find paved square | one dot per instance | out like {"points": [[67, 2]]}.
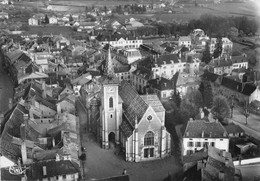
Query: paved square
{"points": [[103, 163]]}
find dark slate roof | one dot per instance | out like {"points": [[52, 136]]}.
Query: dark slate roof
{"points": [[167, 59], [209, 76], [53, 168], [195, 128], [161, 84], [233, 128], [121, 69], [143, 72], [133, 105], [246, 89]]}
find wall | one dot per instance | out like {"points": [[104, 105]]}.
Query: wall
{"points": [[247, 161], [223, 145]]}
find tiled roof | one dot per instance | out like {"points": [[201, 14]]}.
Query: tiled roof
{"points": [[154, 102], [133, 105], [197, 156], [233, 128], [161, 84], [143, 72], [126, 128], [53, 168], [195, 128], [109, 36]]}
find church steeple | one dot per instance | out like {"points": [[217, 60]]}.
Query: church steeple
{"points": [[109, 70]]}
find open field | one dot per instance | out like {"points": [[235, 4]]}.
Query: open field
{"points": [[85, 3]]}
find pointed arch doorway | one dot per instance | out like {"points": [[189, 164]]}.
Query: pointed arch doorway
{"points": [[112, 140]]}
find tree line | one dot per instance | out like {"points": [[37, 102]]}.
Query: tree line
{"points": [[212, 25]]}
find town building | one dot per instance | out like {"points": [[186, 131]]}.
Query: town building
{"points": [[201, 133], [210, 164], [185, 41], [227, 45], [33, 21], [119, 40]]}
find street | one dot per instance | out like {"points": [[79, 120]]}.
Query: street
{"points": [[253, 123], [249, 172], [6, 88]]}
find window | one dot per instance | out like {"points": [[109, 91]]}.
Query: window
{"points": [[221, 139], [110, 102], [64, 176], [190, 144], [213, 144], [111, 116], [149, 138], [189, 152], [198, 144]]}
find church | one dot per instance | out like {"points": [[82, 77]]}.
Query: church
{"points": [[134, 122]]}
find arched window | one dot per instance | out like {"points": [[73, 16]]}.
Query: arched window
{"points": [[110, 102], [149, 138]]}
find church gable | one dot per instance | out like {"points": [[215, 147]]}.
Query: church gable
{"points": [[149, 122]]}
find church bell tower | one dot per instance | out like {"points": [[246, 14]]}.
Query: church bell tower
{"points": [[109, 105]]}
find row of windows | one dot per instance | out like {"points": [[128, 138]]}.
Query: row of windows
{"points": [[199, 144]]}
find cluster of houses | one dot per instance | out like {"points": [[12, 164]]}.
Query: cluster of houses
{"points": [[121, 82]]}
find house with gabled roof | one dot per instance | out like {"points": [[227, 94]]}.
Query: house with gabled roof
{"points": [[210, 164], [201, 133], [162, 87]]}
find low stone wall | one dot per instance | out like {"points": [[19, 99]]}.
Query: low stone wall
{"points": [[247, 161]]}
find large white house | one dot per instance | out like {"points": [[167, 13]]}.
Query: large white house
{"points": [[200, 133], [184, 41], [227, 45], [120, 41]]}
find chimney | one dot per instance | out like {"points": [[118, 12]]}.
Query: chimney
{"points": [[10, 105], [187, 134], [210, 134], [23, 144], [158, 80], [44, 170], [57, 157], [202, 134], [221, 175]]}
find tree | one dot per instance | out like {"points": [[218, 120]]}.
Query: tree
{"points": [[70, 18], [220, 108], [207, 93], [218, 49], [46, 19], [176, 98], [206, 56]]}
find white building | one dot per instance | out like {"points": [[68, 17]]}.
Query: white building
{"points": [[53, 20], [227, 45], [184, 41], [33, 21], [199, 133], [120, 42], [167, 65]]}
